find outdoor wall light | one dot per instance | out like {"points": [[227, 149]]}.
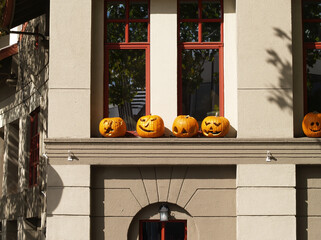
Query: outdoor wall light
{"points": [[163, 213], [69, 156], [268, 156], [45, 156]]}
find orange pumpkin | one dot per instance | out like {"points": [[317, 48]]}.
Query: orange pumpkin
{"points": [[112, 127], [185, 126], [215, 126], [150, 126], [311, 124]]}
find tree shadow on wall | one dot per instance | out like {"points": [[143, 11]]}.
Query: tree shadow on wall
{"points": [[282, 96]]}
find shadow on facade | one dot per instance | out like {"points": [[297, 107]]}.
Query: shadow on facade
{"points": [[282, 94]]}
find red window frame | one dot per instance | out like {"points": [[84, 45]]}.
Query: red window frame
{"points": [[34, 148], [126, 45], [200, 44], [162, 227], [307, 46]]}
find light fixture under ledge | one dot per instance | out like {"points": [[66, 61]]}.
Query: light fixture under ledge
{"points": [[163, 213], [70, 158]]}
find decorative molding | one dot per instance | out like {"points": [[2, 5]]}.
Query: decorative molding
{"points": [[179, 151]]}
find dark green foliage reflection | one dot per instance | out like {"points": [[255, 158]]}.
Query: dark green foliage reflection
{"points": [[211, 10], [314, 80], [115, 32], [311, 10], [188, 9], [211, 32], [138, 10], [127, 85], [116, 10], [200, 82]]}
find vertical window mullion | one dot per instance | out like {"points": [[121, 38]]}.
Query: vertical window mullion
{"points": [[127, 22], [200, 21]]}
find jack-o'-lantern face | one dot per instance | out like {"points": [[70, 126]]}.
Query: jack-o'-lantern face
{"points": [[150, 126], [112, 127], [215, 126], [185, 126], [311, 124]]}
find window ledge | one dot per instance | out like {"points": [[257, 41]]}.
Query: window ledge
{"points": [[183, 151]]}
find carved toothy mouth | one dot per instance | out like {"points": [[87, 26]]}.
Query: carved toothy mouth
{"points": [[214, 133], [145, 130]]}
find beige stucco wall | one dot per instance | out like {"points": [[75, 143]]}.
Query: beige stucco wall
{"points": [[70, 68], [266, 202], [264, 69], [68, 201], [204, 196]]}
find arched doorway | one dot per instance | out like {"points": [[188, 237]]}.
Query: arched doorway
{"points": [[146, 224]]}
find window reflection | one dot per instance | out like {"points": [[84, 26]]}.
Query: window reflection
{"points": [[189, 32], [116, 10], [314, 80], [127, 85], [200, 82], [115, 32]]}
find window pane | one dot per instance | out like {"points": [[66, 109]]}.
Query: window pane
{"points": [[127, 85], [138, 9], [151, 231], [138, 32], [211, 9], [189, 32], [116, 10], [115, 32], [314, 80], [188, 9], [312, 32], [174, 231], [211, 32], [311, 10], [200, 80]]}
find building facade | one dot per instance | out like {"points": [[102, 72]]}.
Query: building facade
{"points": [[256, 63]]}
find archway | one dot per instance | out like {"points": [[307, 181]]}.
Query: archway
{"points": [[151, 212]]}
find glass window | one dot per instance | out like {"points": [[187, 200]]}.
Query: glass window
{"points": [[311, 12], [156, 230], [200, 77], [126, 60], [200, 49], [126, 83]]}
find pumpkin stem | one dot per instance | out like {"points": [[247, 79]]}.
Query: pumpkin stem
{"points": [[216, 114], [315, 112], [187, 116]]}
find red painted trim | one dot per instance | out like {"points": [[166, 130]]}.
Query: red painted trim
{"points": [[34, 148], [8, 51]]}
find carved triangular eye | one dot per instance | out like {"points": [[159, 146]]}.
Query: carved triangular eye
{"points": [[175, 130], [207, 123], [184, 130], [217, 124]]}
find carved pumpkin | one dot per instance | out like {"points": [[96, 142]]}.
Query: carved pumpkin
{"points": [[112, 127], [185, 126], [150, 126], [311, 124], [215, 126]]}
